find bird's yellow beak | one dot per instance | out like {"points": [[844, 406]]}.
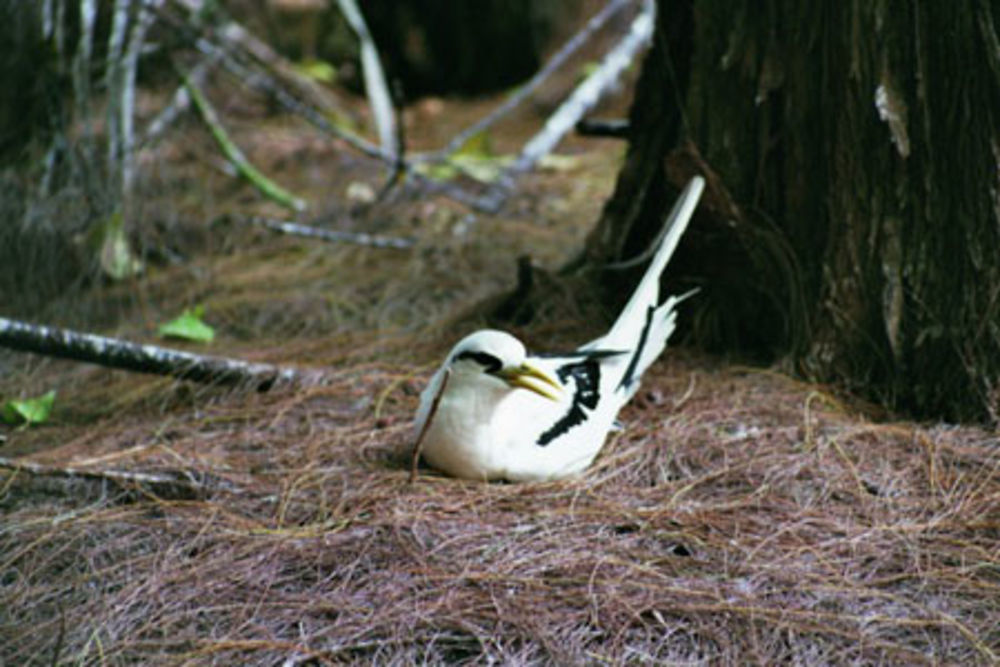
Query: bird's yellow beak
{"points": [[528, 377]]}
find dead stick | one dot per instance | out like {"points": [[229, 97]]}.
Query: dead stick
{"points": [[265, 83], [179, 102], [333, 235], [116, 353], [427, 423], [173, 484], [379, 97], [235, 156], [399, 168]]}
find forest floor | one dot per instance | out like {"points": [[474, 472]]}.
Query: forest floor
{"points": [[740, 516]]}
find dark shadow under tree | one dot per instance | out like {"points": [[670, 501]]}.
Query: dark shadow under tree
{"points": [[852, 221]]}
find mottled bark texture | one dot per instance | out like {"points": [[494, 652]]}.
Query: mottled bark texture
{"points": [[852, 221]]}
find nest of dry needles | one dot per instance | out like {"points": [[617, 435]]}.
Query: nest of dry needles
{"points": [[738, 517]]}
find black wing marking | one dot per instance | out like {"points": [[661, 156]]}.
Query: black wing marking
{"points": [[581, 354], [634, 361], [587, 376]]}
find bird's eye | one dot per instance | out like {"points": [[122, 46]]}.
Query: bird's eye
{"points": [[490, 363]]}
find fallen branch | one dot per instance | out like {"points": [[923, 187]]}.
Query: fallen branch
{"points": [[375, 84], [236, 37], [129, 74], [235, 156], [359, 238], [265, 84], [522, 93], [180, 485], [179, 103], [583, 98], [125, 355], [399, 168]]}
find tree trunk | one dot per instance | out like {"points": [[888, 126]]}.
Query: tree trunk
{"points": [[852, 221]]}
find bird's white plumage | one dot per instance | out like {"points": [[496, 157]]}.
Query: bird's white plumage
{"points": [[498, 417]]}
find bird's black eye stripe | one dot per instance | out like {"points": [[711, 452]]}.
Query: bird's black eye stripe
{"points": [[489, 363]]}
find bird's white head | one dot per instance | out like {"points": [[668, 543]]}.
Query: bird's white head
{"points": [[496, 356]]}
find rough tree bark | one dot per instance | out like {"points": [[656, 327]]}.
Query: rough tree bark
{"points": [[852, 222]]}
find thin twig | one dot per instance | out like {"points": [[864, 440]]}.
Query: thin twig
{"points": [[235, 156], [239, 39], [375, 83], [116, 353], [178, 104], [114, 76], [419, 443], [359, 238], [265, 84], [175, 484], [82, 64], [130, 68], [399, 168]]}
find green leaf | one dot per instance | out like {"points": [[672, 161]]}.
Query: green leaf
{"points": [[28, 411], [483, 169], [479, 145], [188, 326], [439, 172], [318, 70]]}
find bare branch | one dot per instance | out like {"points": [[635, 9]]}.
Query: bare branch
{"points": [[179, 102], [266, 84], [233, 153], [237, 38], [116, 353], [114, 77], [375, 84], [126, 110], [359, 238], [179, 484], [399, 168], [82, 64]]}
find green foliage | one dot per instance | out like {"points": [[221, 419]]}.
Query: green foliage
{"points": [[477, 159], [188, 326], [29, 410], [317, 70]]}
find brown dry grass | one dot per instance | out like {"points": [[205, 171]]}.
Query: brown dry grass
{"points": [[740, 517]]}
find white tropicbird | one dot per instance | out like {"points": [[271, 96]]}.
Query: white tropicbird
{"points": [[497, 412]]}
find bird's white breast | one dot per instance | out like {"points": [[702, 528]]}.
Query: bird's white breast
{"points": [[484, 431]]}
